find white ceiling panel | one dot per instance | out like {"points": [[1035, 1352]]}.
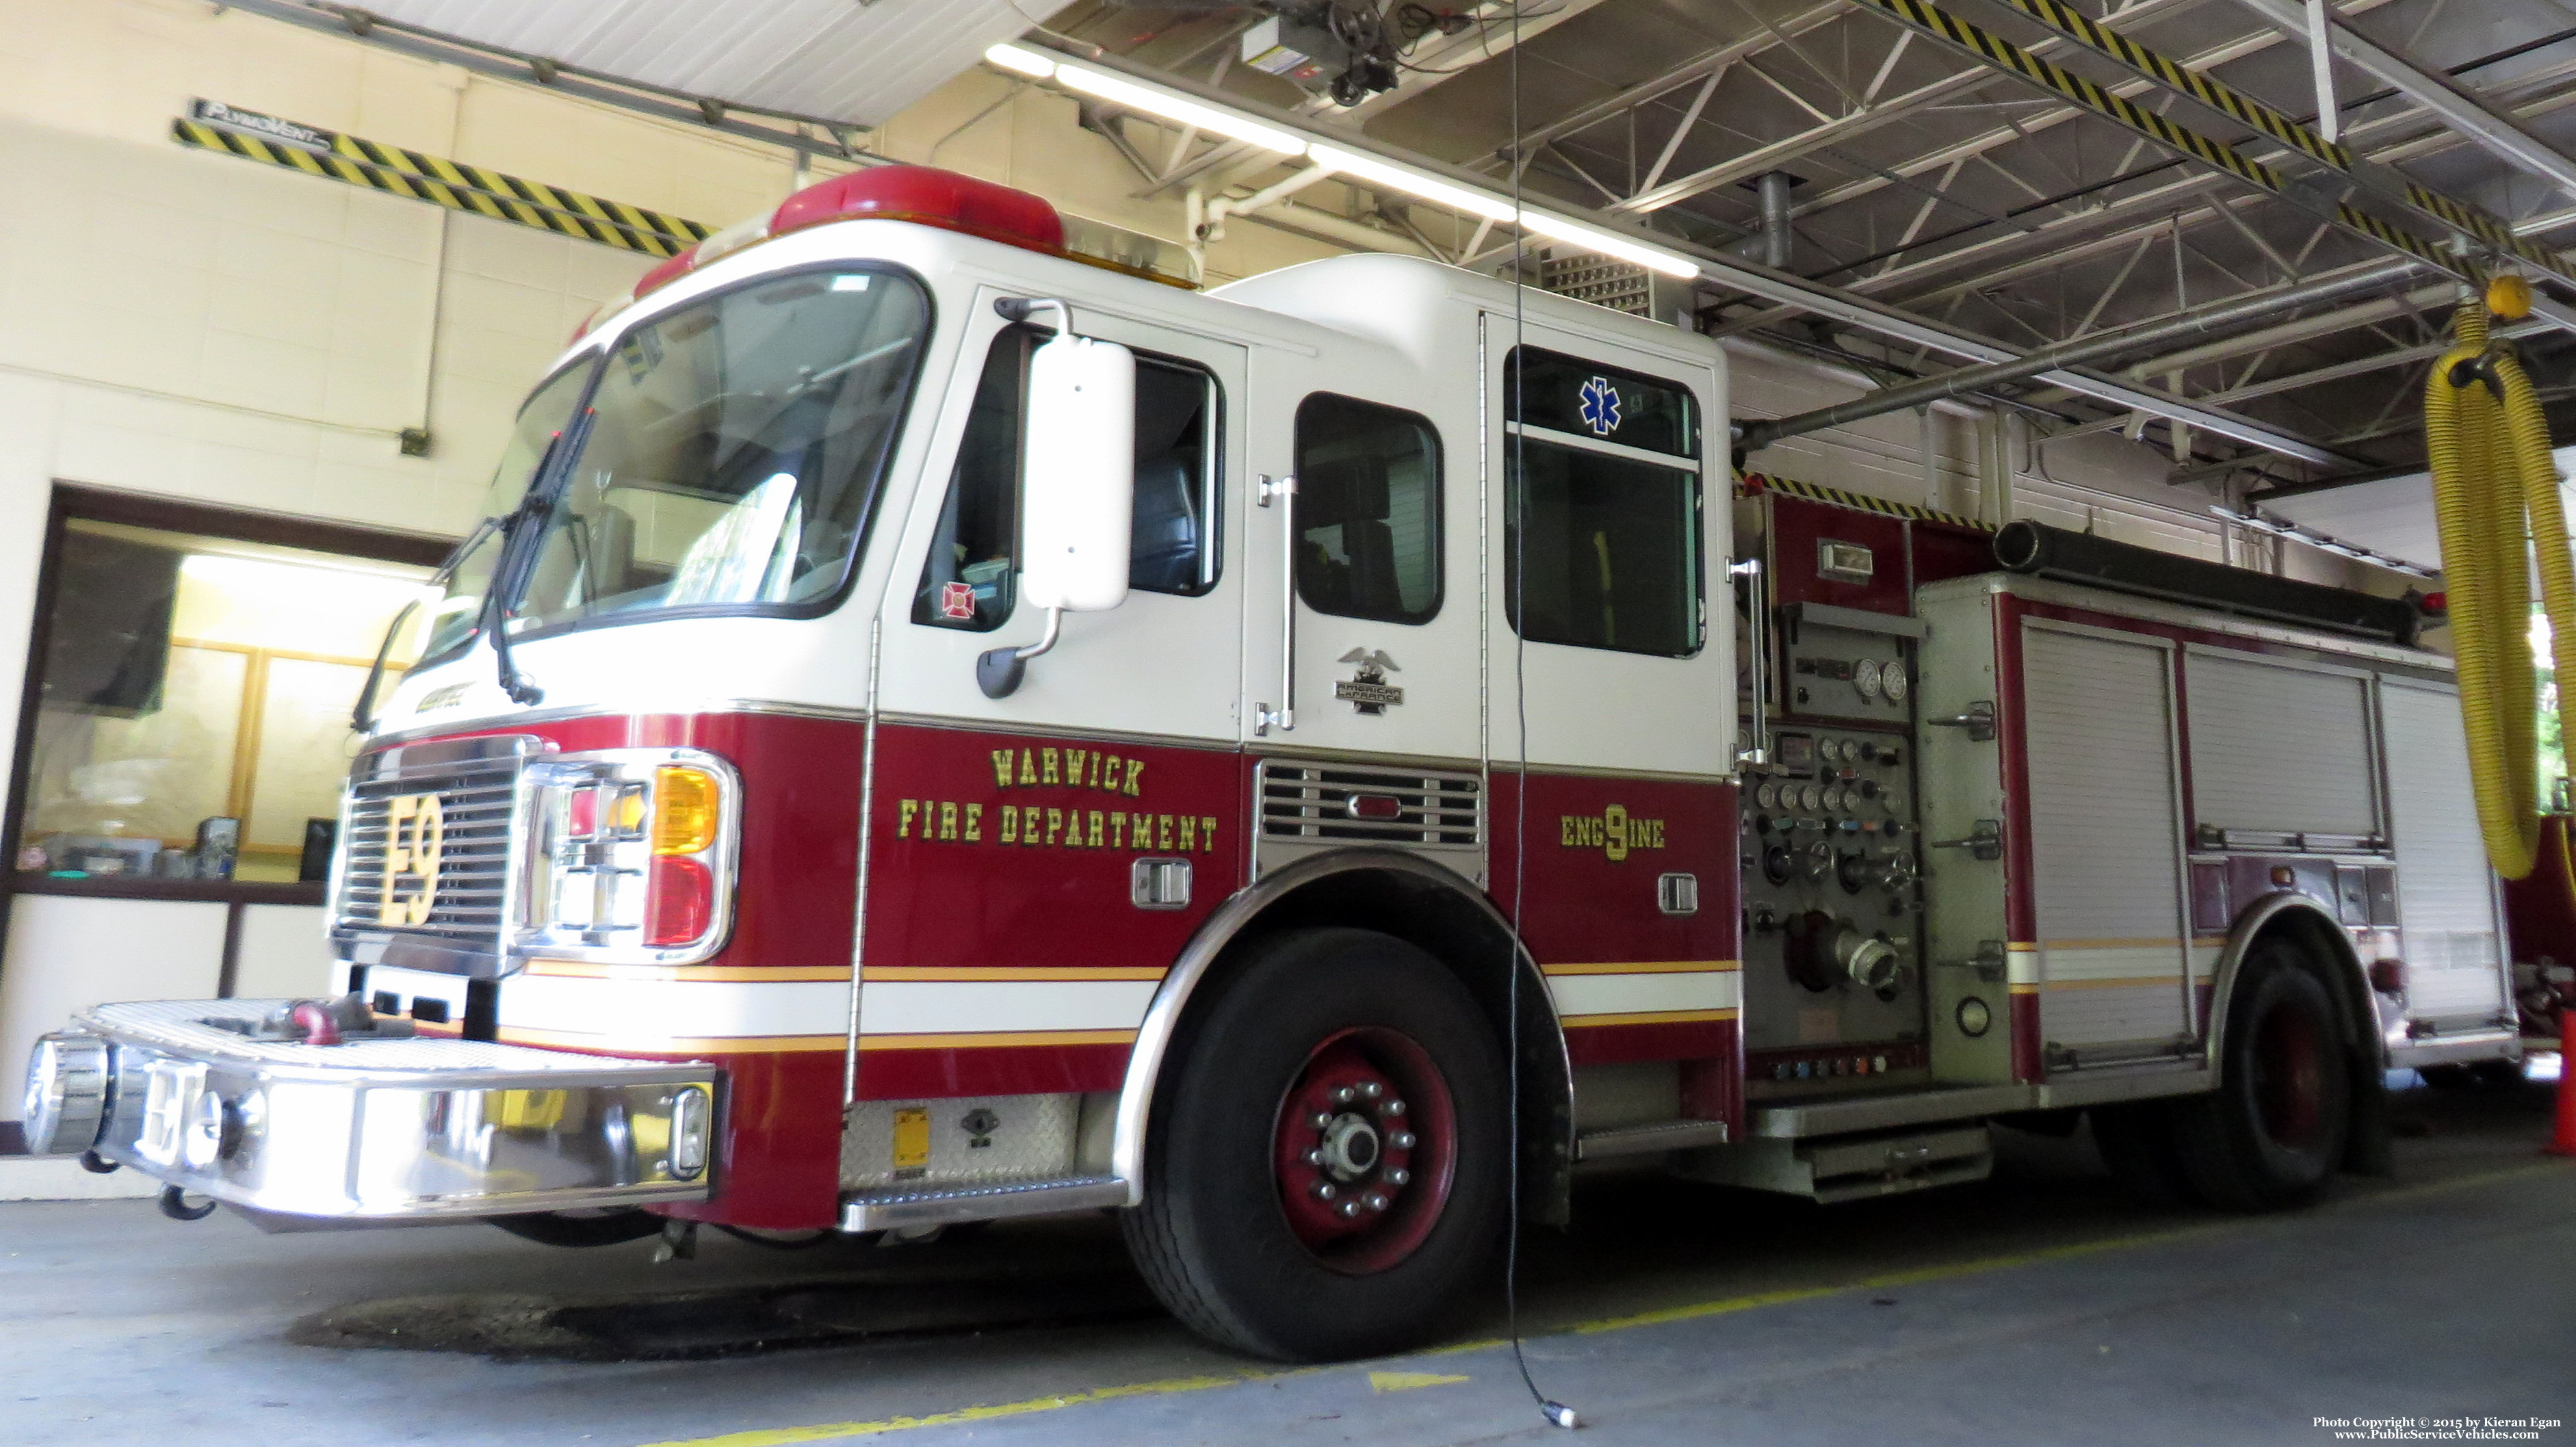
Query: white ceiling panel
{"points": [[837, 59]]}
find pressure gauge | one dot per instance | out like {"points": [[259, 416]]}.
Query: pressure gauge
{"points": [[1768, 795], [1811, 797], [1834, 799], [1891, 680], [1865, 678]]}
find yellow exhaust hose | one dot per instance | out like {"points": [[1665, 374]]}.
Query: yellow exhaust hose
{"points": [[2495, 495]]}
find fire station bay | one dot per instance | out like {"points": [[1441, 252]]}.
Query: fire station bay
{"points": [[1241, 722]]}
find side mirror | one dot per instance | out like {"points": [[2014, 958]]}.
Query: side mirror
{"points": [[1078, 492]]}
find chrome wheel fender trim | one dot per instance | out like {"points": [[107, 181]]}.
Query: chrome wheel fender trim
{"points": [[1163, 1017], [2250, 924]]}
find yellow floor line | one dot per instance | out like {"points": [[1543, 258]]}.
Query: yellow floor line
{"points": [[829, 1431]]}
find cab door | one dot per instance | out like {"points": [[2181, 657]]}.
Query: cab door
{"points": [[1362, 692], [1613, 710], [1034, 861]]}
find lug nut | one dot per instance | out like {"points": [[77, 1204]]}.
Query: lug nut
{"points": [[1392, 1107], [1324, 1191], [1320, 1119], [1349, 1209], [1345, 1096], [1376, 1201], [1402, 1140], [1372, 1090], [1398, 1176], [1315, 1157]]}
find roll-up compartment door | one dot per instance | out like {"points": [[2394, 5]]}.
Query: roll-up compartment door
{"points": [[2445, 906], [2106, 839], [2278, 749]]}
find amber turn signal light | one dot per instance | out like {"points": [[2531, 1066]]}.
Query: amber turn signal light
{"points": [[687, 804]]}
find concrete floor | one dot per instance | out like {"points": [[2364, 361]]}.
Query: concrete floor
{"points": [[2039, 1308]]}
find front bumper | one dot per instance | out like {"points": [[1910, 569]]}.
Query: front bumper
{"points": [[392, 1129]]}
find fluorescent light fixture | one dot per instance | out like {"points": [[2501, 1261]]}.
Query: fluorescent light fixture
{"points": [[1370, 169], [1172, 107], [1021, 60], [1609, 243]]}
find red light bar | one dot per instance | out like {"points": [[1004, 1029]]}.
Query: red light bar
{"points": [[923, 195], [930, 197]]}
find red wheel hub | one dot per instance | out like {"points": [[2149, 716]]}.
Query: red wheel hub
{"points": [[1365, 1149], [2289, 1078]]}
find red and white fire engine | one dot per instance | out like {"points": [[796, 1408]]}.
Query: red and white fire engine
{"points": [[940, 726]]}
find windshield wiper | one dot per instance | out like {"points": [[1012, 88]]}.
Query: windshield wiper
{"points": [[518, 562], [496, 608]]}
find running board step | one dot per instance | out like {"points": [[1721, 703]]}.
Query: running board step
{"points": [[882, 1210], [1828, 1169], [1638, 1140]]}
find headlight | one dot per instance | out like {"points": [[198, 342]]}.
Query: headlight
{"points": [[66, 1102], [635, 855], [693, 1114]]}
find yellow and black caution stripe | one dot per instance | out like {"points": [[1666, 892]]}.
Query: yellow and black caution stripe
{"points": [[2217, 96], [452, 184], [1760, 482], [2005, 56]]}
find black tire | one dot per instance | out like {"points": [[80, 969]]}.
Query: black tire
{"points": [[2136, 1141], [2274, 1131], [603, 1228], [1215, 1236], [2499, 1074]]}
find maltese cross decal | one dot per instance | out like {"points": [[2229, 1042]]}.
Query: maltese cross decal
{"points": [[1600, 403]]}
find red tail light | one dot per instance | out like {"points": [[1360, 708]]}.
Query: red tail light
{"points": [[680, 901]]}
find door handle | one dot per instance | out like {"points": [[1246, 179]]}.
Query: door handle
{"points": [[1757, 639], [1979, 721], [1282, 490], [1985, 842]]}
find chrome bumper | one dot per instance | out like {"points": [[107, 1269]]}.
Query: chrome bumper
{"points": [[396, 1128]]}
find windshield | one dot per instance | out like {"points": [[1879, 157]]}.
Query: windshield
{"points": [[460, 613], [733, 453]]}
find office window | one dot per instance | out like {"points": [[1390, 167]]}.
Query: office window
{"points": [[969, 579], [1367, 510], [1601, 545], [192, 692]]}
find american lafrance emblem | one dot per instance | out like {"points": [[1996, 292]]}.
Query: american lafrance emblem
{"points": [[1369, 691]]}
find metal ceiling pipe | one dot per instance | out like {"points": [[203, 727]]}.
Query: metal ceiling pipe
{"points": [[2072, 353], [1772, 189]]}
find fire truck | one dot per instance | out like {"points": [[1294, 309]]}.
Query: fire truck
{"points": [[942, 722]]}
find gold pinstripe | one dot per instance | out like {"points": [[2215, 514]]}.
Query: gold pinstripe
{"points": [[460, 187]]}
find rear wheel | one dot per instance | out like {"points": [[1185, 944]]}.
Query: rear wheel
{"points": [[1325, 1177], [2274, 1131]]}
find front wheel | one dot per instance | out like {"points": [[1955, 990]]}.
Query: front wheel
{"points": [[2274, 1131], [1325, 1175], [581, 1229]]}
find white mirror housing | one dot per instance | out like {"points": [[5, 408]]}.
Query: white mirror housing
{"points": [[1078, 475]]}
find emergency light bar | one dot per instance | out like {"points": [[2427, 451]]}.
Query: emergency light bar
{"points": [[923, 195]]}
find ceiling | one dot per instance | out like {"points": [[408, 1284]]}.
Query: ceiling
{"points": [[856, 61], [1957, 192]]}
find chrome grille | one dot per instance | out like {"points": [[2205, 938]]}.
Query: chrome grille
{"points": [[476, 784], [1341, 803]]}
